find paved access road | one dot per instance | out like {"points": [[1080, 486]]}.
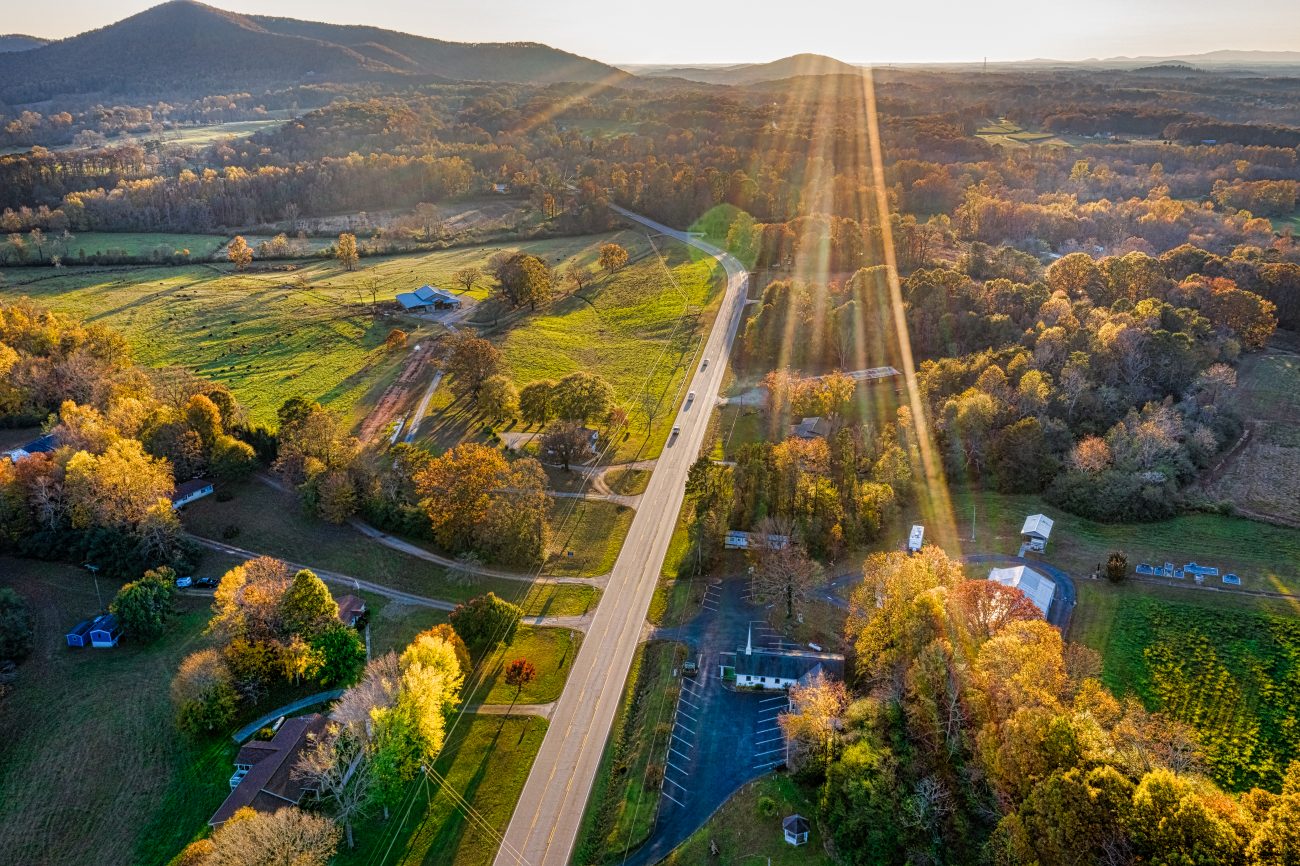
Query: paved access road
{"points": [[545, 823]]}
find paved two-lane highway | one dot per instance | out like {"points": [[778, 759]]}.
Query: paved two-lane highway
{"points": [[545, 823]]}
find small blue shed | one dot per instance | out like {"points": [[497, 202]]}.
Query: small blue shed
{"points": [[78, 636], [105, 631]]}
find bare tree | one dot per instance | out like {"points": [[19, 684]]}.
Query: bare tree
{"points": [[782, 568], [335, 766]]}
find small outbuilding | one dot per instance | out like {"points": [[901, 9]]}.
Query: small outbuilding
{"points": [[189, 491], [79, 635], [916, 539], [1036, 531], [796, 829], [351, 610], [815, 427], [105, 631]]}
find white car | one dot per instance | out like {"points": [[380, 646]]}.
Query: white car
{"points": [[690, 397], [183, 582], [676, 431]]}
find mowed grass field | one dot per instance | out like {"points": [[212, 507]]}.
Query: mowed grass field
{"points": [[90, 759], [135, 244], [1266, 557], [1264, 476], [269, 336], [486, 762], [296, 536], [586, 536], [748, 828], [1010, 134], [551, 650], [639, 329]]}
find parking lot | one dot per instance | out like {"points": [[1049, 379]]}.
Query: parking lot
{"points": [[721, 738]]}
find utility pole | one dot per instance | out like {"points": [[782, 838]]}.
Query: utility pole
{"points": [[972, 521]]}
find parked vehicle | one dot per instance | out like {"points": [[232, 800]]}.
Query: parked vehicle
{"points": [[183, 582], [206, 582], [691, 668]]}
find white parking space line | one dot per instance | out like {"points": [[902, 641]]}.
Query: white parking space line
{"points": [[678, 769], [765, 742], [685, 743], [687, 715], [769, 752], [685, 790], [684, 757], [671, 797], [689, 704]]}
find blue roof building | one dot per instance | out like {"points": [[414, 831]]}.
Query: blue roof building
{"points": [[428, 298]]}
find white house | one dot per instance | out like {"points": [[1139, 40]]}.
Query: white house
{"points": [[1038, 588], [189, 491], [1036, 531]]}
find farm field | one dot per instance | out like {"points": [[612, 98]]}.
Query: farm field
{"points": [[1227, 673], [1264, 476], [748, 827], [621, 808], [486, 761], [1292, 222], [266, 335], [81, 723], [1009, 134], [551, 650], [300, 537]]}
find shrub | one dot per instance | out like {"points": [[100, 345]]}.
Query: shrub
{"points": [[1117, 567]]}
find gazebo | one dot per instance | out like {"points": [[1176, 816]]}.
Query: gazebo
{"points": [[796, 830]]}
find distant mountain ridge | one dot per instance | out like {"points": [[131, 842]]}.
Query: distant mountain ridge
{"points": [[20, 42], [753, 73], [187, 48]]}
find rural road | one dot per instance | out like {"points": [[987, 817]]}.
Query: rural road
{"points": [[544, 826]]}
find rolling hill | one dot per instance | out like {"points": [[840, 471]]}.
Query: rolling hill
{"points": [[19, 42], [187, 48]]}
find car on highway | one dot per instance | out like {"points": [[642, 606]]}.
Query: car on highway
{"points": [[705, 365], [677, 430], [183, 582], [690, 398]]}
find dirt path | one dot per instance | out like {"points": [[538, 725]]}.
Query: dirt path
{"points": [[397, 394]]}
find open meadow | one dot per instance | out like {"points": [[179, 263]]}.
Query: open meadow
{"points": [[269, 336], [91, 758]]}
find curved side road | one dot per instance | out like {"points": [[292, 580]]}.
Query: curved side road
{"points": [[544, 826], [577, 623]]}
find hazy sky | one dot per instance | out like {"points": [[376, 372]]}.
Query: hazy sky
{"points": [[671, 31]]}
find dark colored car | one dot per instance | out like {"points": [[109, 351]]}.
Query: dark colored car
{"points": [[206, 582]]}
